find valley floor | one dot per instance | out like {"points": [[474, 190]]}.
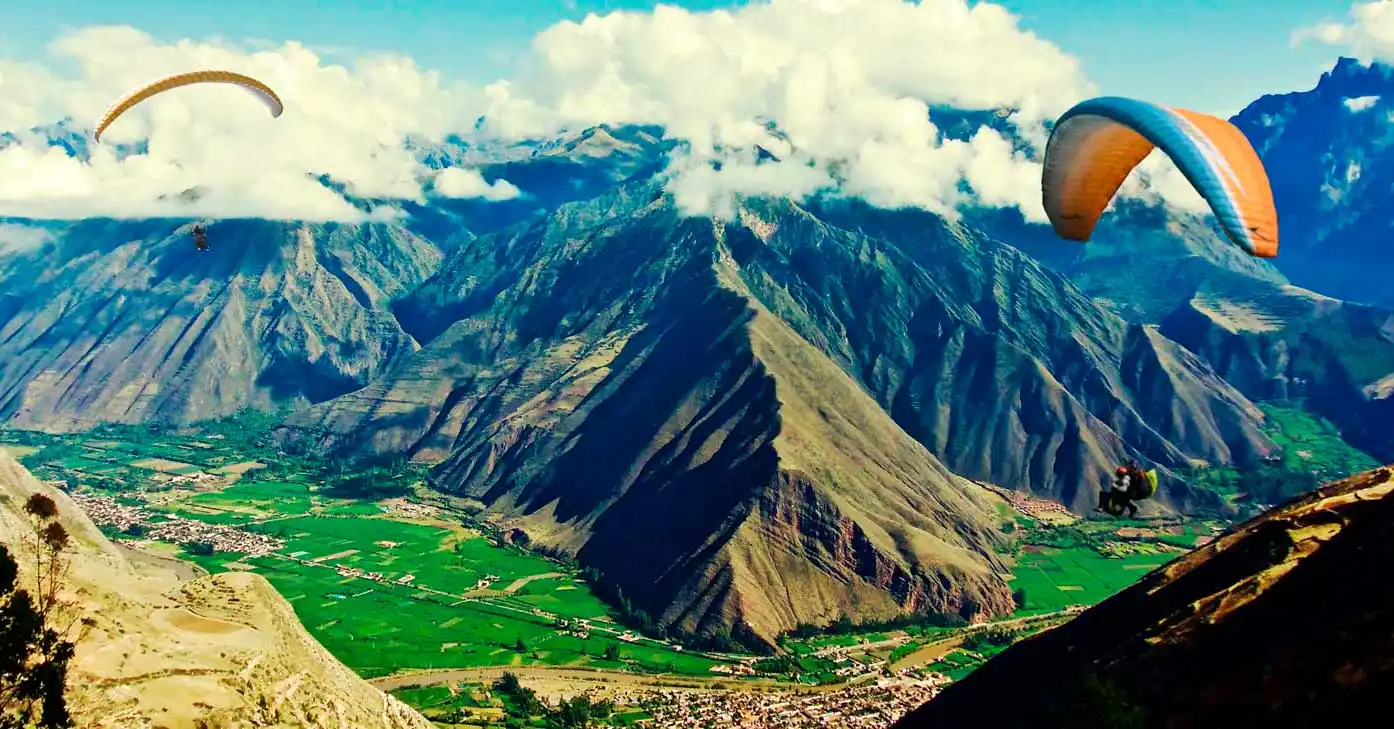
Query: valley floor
{"points": [[412, 591]]}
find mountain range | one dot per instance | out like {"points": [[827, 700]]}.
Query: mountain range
{"points": [[744, 424]]}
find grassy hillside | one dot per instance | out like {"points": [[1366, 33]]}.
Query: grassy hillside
{"points": [[1311, 451]]}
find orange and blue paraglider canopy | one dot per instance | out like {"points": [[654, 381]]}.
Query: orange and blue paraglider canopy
{"points": [[1096, 144], [210, 76]]}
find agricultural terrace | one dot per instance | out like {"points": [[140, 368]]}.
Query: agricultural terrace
{"points": [[387, 585]]}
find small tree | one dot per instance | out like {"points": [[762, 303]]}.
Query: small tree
{"points": [[508, 683], [520, 646], [612, 652], [50, 539], [1019, 596], [34, 655]]}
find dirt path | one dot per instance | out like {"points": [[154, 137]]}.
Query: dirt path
{"points": [[185, 571], [561, 680], [518, 584], [931, 652], [928, 653]]}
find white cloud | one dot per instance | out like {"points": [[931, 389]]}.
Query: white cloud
{"points": [[459, 182], [847, 83], [346, 123], [15, 238], [1360, 103], [1368, 34]]}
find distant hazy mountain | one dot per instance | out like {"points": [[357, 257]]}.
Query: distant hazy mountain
{"points": [[128, 322], [1330, 154]]}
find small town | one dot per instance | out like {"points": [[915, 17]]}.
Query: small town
{"points": [[106, 511], [877, 705]]}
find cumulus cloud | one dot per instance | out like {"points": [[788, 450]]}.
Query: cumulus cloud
{"points": [[14, 238], [1360, 103], [846, 84], [838, 91], [346, 123], [459, 182], [1368, 34]]}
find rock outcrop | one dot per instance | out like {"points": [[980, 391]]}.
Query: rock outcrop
{"points": [[1286, 620], [216, 652]]}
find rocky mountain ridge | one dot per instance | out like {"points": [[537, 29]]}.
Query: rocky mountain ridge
{"points": [[127, 322], [1283, 621], [589, 375], [216, 652]]}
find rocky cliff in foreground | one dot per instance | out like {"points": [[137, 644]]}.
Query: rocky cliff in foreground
{"points": [[217, 652], [1286, 621]]}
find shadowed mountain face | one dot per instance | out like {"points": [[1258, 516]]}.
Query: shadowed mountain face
{"points": [[1330, 154], [743, 424], [1285, 621], [128, 322]]}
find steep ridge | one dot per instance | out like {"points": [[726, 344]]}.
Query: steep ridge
{"points": [[1143, 261], [219, 652], [1330, 154], [630, 387], [1284, 621], [127, 322], [975, 349], [620, 405], [1282, 343]]}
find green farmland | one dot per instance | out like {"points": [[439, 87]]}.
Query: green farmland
{"points": [[1055, 579], [384, 592]]}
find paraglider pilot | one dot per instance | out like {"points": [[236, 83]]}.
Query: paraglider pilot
{"points": [[1127, 485], [200, 237]]}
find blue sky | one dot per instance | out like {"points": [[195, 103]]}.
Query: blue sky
{"points": [[1209, 55]]}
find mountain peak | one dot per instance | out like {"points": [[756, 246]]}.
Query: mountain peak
{"points": [[1353, 77]]}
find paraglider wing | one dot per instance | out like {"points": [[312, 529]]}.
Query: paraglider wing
{"points": [[1096, 144], [159, 86], [1151, 484]]}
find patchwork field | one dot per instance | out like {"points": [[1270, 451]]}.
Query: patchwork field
{"points": [[395, 583], [385, 585], [428, 611], [1057, 578]]}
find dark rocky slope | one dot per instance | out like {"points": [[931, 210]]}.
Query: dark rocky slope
{"points": [[1287, 620]]}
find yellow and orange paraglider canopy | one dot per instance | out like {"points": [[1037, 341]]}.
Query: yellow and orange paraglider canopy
{"points": [[161, 85], [1096, 144]]}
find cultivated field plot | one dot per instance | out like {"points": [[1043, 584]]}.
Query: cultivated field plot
{"points": [[251, 501], [379, 628], [1057, 578], [466, 604]]}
